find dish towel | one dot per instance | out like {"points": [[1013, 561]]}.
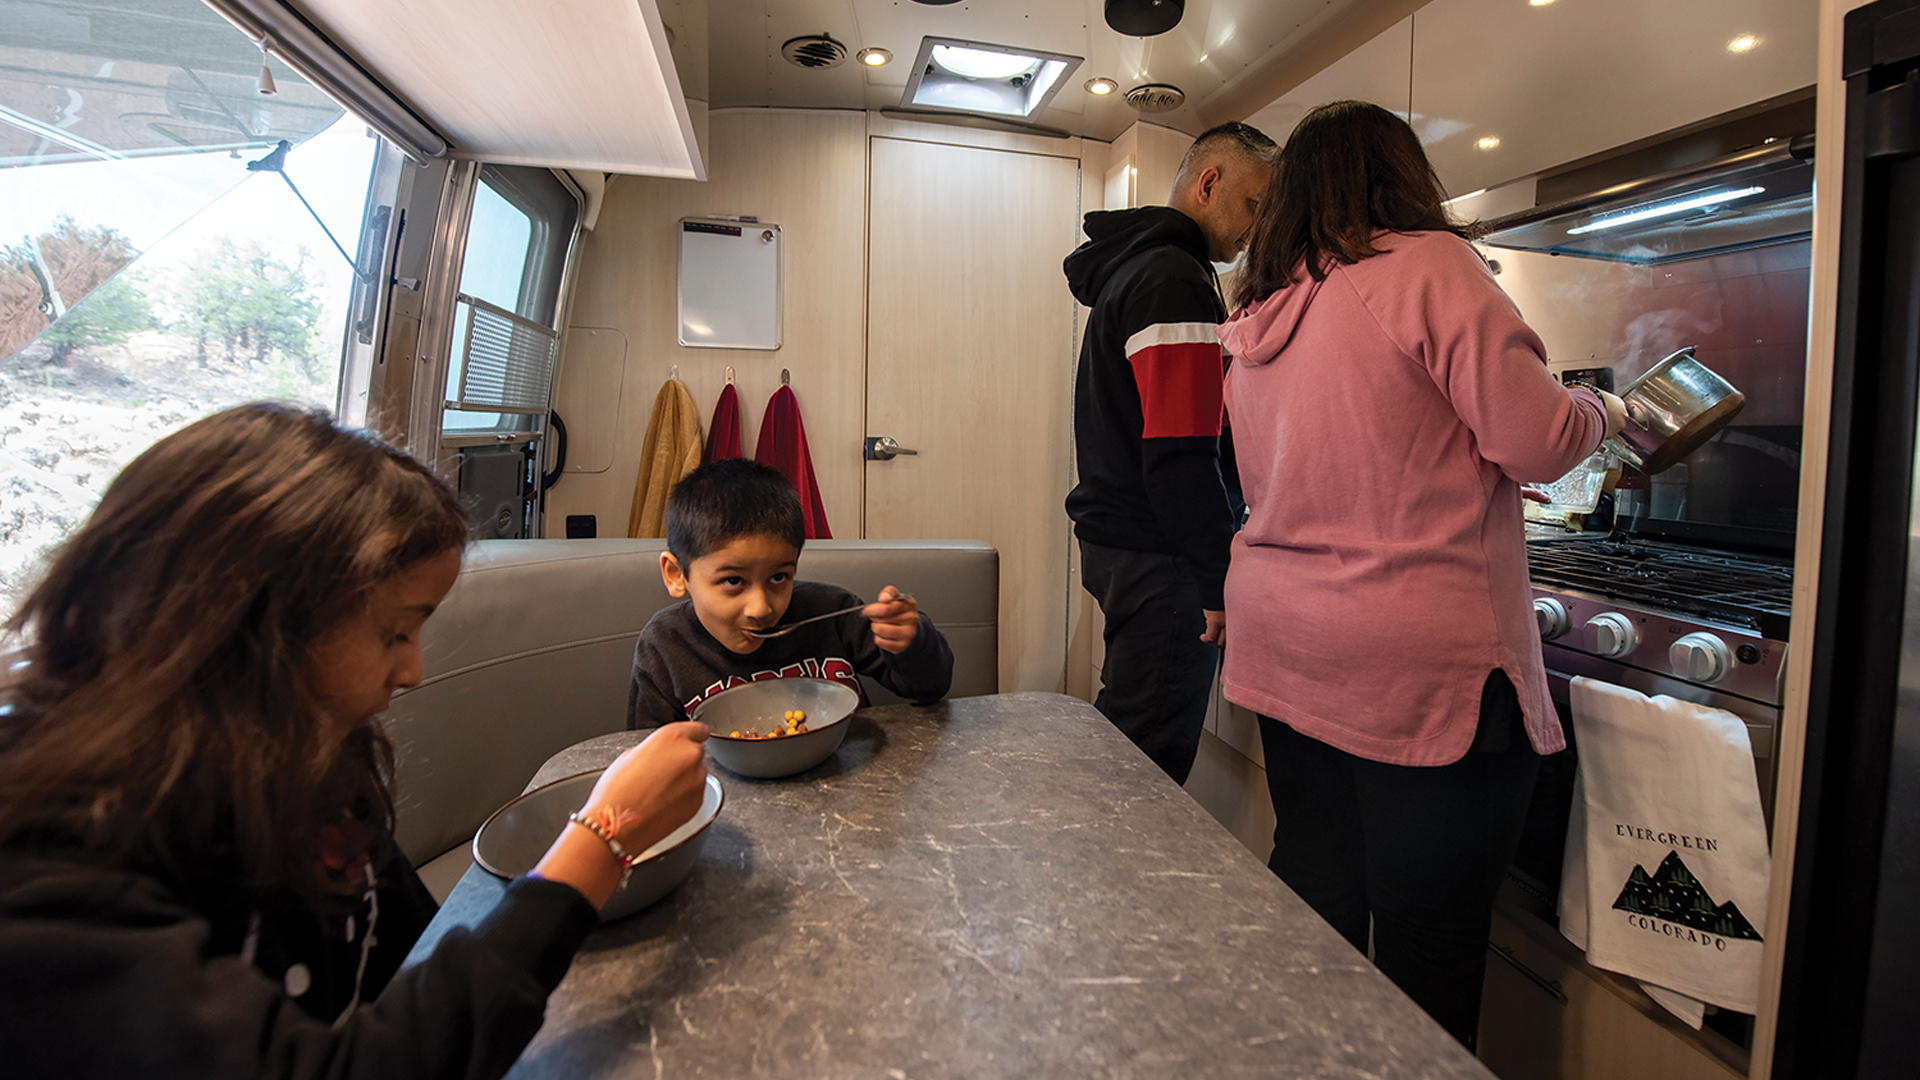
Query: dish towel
{"points": [[723, 434], [783, 445], [1665, 878], [671, 451]]}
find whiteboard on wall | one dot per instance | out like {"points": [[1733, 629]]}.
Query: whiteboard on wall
{"points": [[729, 284]]}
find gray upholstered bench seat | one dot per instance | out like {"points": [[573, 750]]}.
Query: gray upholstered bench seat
{"points": [[532, 650]]}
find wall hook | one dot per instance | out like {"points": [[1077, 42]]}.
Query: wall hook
{"points": [[674, 373], [786, 377], [729, 374]]}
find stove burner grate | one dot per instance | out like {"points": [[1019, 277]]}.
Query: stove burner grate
{"points": [[1751, 591]]}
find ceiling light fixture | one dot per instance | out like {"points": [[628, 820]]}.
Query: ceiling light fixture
{"points": [[954, 75], [1743, 44], [1101, 87], [1538, 3], [971, 63], [1487, 142], [1667, 209], [874, 57]]}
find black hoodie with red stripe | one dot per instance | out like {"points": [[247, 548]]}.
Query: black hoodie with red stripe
{"points": [[1156, 468]]}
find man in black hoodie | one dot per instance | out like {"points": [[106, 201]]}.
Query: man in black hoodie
{"points": [[1152, 510]]}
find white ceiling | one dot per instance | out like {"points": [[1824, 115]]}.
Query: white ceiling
{"points": [[1225, 54]]}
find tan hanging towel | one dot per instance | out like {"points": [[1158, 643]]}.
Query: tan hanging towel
{"points": [[671, 451]]}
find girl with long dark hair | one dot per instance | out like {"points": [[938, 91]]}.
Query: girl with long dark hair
{"points": [[1387, 403], [197, 869]]}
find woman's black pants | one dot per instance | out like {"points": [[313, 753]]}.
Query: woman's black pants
{"points": [[1416, 852]]}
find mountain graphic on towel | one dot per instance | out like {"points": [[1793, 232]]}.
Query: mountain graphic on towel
{"points": [[1674, 895]]}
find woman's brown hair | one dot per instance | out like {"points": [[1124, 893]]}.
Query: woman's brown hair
{"points": [[163, 719], [1349, 170]]}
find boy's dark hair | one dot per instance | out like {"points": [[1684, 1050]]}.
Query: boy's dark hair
{"points": [[721, 501]]}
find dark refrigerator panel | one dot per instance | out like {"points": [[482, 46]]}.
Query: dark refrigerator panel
{"points": [[1850, 992]]}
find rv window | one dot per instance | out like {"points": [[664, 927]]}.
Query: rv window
{"points": [[147, 276], [516, 252]]}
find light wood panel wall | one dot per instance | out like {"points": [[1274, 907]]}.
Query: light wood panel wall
{"points": [[804, 170]]}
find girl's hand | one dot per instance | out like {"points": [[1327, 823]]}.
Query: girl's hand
{"points": [[650, 791], [895, 618], [656, 786]]}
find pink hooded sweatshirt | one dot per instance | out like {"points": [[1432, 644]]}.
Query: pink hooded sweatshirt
{"points": [[1384, 420]]}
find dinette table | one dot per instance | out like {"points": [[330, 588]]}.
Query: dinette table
{"points": [[995, 886]]}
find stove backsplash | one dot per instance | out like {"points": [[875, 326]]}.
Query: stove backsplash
{"points": [[1747, 315]]}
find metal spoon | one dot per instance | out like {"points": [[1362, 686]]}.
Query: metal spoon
{"points": [[782, 631]]}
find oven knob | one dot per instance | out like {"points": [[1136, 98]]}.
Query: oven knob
{"points": [[1551, 615], [1614, 635], [1700, 657]]}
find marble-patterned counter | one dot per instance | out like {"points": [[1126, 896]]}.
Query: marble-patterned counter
{"points": [[993, 887]]}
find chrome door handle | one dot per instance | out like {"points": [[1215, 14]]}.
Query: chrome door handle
{"points": [[884, 448]]}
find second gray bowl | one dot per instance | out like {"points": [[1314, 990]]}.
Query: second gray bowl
{"points": [[759, 706]]}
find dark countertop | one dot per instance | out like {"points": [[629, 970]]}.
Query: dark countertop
{"points": [[993, 887]]}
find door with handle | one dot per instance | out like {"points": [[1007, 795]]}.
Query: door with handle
{"points": [[974, 372]]}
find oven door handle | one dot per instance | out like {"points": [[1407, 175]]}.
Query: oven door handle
{"points": [[1551, 986]]}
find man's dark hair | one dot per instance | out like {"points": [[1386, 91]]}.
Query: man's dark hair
{"points": [[1230, 138], [1350, 170], [722, 501]]}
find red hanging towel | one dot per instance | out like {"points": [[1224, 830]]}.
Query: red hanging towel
{"points": [[723, 435], [783, 445]]}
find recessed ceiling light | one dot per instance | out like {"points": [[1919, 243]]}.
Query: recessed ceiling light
{"points": [[1102, 87], [1539, 3], [1488, 142], [973, 77], [1743, 44], [874, 57]]}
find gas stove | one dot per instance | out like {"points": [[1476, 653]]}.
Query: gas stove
{"points": [[1715, 620], [1699, 624]]}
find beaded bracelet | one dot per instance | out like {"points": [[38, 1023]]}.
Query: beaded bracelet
{"points": [[599, 828]]}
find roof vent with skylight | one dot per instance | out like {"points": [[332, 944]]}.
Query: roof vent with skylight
{"points": [[993, 80]]}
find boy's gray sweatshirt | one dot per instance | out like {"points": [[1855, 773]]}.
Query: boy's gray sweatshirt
{"points": [[677, 664]]}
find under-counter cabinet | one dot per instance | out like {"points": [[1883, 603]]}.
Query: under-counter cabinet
{"points": [[1548, 1015]]}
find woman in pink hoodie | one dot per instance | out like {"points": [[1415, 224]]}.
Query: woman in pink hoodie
{"points": [[1387, 403]]}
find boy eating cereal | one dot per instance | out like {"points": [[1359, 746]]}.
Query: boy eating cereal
{"points": [[734, 532]]}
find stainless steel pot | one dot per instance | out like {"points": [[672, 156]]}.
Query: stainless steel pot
{"points": [[1673, 408]]}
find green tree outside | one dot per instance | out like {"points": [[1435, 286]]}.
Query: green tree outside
{"points": [[252, 304], [108, 316]]}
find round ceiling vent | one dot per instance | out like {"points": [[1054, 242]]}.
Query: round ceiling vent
{"points": [[814, 51], [1144, 18], [1156, 97]]}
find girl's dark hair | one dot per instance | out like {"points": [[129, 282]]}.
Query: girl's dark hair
{"points": [[164, 720], [724, 500], [1349, 170]]}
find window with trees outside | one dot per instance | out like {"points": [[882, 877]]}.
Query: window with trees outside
{"points": [[153, 268]]}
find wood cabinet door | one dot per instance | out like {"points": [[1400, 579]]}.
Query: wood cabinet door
{"points": [[970, 332]]}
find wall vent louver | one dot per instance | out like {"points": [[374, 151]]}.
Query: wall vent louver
{"points": [[1156, 98], [814, 51]]}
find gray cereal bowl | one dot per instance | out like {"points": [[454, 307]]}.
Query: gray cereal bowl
{"points": [[512, 841], [759, 706]]}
